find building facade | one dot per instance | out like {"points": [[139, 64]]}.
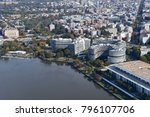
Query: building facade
{"points": [[76, 46], [144, 50], [60, 43], [11, 32], [96, 51], [134, 73], [114, 50], [117, 53], [79, 45]]}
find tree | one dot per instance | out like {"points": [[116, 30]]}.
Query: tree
{"points": [[97, 77], [39, 51], [136, 52], [48, 55], [66, 35], [59, 54], [34, 42], [22, 33], [99, 63], [67, 53], [148, 57], [104, 32], [89, 70], [128, 51], [143, 58], [59, 30], [13, 45], [42, 44], [77, 61], [36, 30], [29, 50]]}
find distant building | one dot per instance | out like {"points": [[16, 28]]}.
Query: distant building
{"points": [[8, 2], [1, 42], [123, 35], [134, 73], [146, 16], [19, 25], [144, 37], [96, 51], [113, 31], [60, 43], [79, 45], [144, 50], [115, 50], [147, 26], [147, 4], [93, 33], [17, 52], [114, 19], [76, 46], [1, 37], [11, 32], [51, 27]]}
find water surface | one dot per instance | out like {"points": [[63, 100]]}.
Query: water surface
{"points": [[24, 79]]}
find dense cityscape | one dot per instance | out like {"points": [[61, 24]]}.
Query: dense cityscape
{"points": [[106, 40]]}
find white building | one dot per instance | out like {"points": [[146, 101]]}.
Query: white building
{"points": [[76, 46], [134, 73], [144, 50], [117, 53], [93, 33], [11, 32], [145, 37], [17, 52], [8, 2], [147, 26], [51, 27], [60, 43], [79, 45], [114, 50], [1, 42], [113, 31], [96, 51]]}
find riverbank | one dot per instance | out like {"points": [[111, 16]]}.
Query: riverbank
{"points": [[108, 87], [119, 94]]}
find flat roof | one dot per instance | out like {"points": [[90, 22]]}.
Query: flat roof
{"points": [[138, 68], [129, 77]]}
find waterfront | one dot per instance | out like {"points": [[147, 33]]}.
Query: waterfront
{"points": [[33, 79]]}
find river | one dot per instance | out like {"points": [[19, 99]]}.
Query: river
{"points": [[32, 79]]}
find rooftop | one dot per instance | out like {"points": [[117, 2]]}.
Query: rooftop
{"points": [[138, 68]]}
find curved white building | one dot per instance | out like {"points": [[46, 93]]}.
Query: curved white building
{"points": [[118, 53], [115, 50]]}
